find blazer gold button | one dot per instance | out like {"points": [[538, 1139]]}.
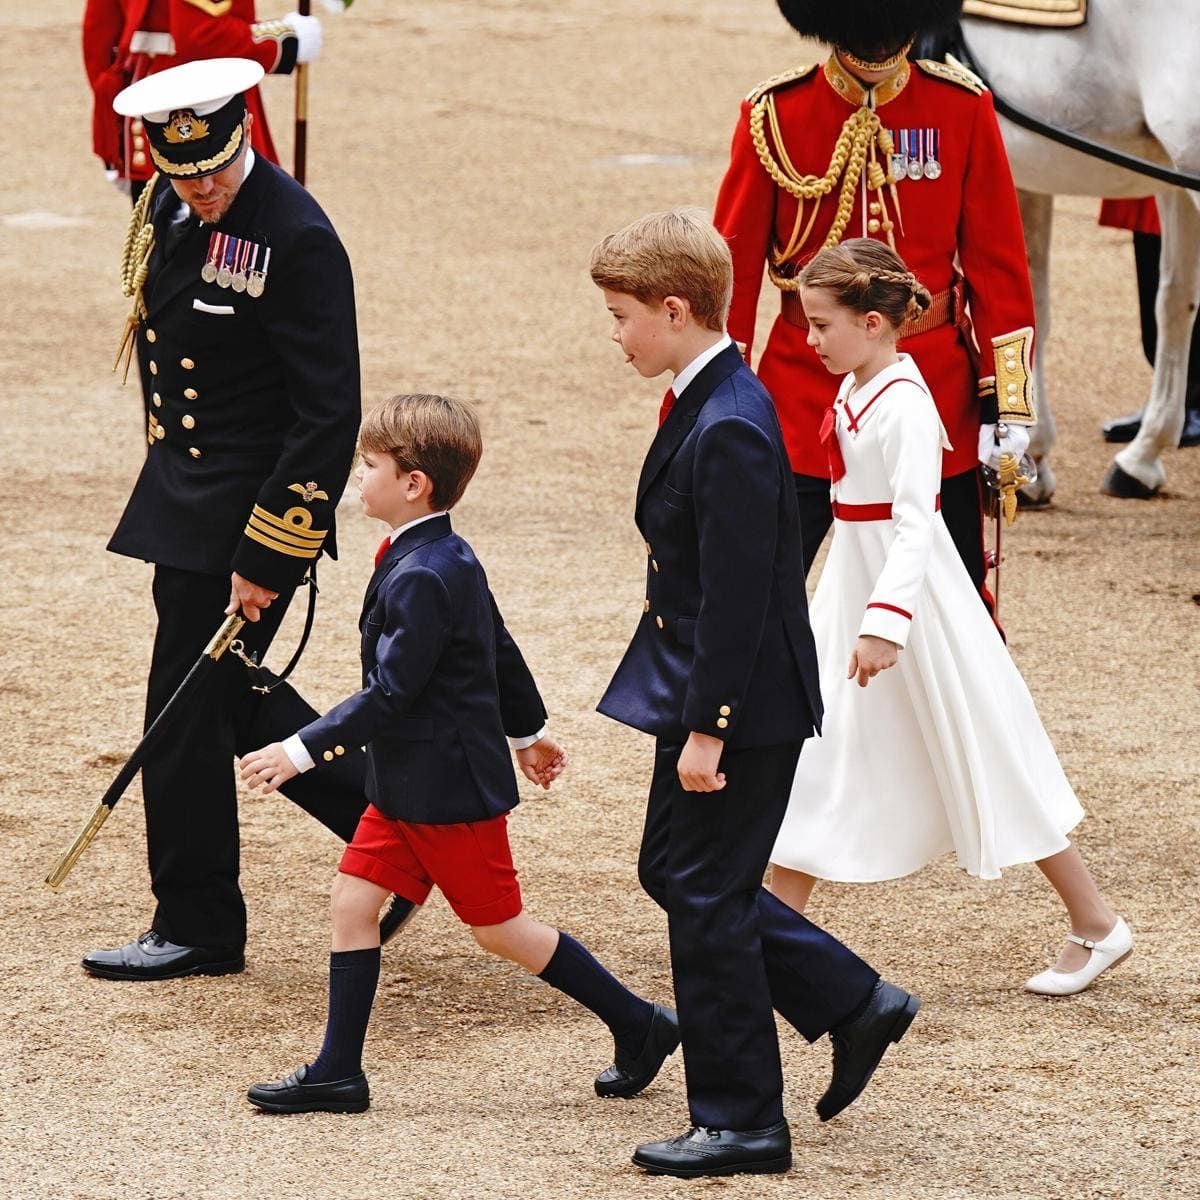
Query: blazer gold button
{"points": [[191, 393], [151, 336], [160, 432], [328, 756], [188, 421], [339, 750], [658, 621], [722, 723], [725, 710], [186, 364], [153, 367], [193, 452], [648, 550], [157, 400], [646, 606], [654, 564]]}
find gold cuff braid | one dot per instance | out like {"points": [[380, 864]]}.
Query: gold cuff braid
{"points": [[1012, 355]]}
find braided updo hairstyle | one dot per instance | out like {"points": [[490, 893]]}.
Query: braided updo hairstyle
{"points": [[868, 276]]}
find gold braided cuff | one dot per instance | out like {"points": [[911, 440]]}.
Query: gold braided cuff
{"points": [[1012, 353], [291, 534]]}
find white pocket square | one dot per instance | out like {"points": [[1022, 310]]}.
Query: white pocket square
{"points": [[219, 310]]}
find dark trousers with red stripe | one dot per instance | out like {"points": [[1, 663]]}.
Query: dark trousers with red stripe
{"points": [[962, 510], [188, 783]]}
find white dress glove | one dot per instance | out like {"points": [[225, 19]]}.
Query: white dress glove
{"points": [[1015, 442], [308, 36]]}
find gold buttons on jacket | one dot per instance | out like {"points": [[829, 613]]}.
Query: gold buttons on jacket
{"points": [[339, 750], [646, 606], [160, 432], [658, 621], [873, 225], [654, 564], [139, 158], [151, 336], [193, 452], [135, 126], [188, 421], [157, 400], [191, 393], [153, 367], [722, 723], [186, 364], [648, 550], [724, 710], [328, 756]]}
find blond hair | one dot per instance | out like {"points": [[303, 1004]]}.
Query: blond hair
{"points": [[868, 276], [673, 253], [433, 434]]}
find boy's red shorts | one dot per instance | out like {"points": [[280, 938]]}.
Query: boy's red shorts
{"points": [[470, 862]]}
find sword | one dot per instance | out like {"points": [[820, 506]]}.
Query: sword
{"points": [[304, 8], [216, 647]]}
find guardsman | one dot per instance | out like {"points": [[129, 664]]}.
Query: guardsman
{"points": [[870, 144], [244, 330], [126, 40]]}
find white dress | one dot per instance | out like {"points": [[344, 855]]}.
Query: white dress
{"points": [[944, 751]]}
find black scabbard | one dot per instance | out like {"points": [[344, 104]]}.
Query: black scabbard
{"points": [[207, 661]]}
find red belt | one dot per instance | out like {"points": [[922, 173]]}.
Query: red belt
{"points": [[871, 512]]}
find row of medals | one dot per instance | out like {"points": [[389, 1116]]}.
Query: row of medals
{"points": [[916, 154], [237, 270]]}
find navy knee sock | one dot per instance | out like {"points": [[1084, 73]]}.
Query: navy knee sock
{"points": [[574, 971], [353, 978]]}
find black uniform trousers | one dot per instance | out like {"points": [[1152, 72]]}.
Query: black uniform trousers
{"points": [[1147, 251], [962, 510], [188, 783], [737, 951]]}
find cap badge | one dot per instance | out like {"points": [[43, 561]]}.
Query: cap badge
{"points": [[185, 126]]}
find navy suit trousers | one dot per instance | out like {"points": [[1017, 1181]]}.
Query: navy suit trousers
{"points": [[736, 951]]}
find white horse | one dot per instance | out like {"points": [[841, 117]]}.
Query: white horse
{"points": [[1127, 78]]}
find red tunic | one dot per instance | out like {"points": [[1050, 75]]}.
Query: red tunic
{"points": [[199, 29], [969, 211], [1141, 216]]}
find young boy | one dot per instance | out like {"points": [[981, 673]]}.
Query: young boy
{"points": [[722, 671], [443, 682]]}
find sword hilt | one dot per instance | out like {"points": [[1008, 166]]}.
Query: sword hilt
{"points": [[62, 868]]}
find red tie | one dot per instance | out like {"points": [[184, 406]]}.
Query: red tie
{"points": [[666, 406], [828, 435], [384, 547]]}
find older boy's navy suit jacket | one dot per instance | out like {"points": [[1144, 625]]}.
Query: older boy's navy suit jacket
{"points": [[724, 645], [443, 683]]}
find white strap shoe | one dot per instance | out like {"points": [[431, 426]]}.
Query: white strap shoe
{"points": [[1114, 947]]}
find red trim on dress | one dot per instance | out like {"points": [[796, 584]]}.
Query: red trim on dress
{"points": [[872, 512], [891, 608], [853, 419]]}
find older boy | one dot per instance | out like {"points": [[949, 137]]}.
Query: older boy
{"points": [[443, 682], [722, 671]]}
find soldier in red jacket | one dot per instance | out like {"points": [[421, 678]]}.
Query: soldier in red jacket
{"points": [[124, 40], [873, 145]]}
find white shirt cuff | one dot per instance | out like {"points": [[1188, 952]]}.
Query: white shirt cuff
{"points": [[294, 748], [523, 743]]}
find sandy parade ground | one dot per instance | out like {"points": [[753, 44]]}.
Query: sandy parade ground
{"points": [[470, 154]]}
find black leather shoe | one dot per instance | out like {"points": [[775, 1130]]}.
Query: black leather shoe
{"points": [[1191, 429], [703, 1151], [1122, 429], [153, 957], [399, 913], [859, 1045], [630, 1075], [293, 1095]]}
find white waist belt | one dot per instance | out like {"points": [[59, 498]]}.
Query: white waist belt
{"points": [[144, 41]]}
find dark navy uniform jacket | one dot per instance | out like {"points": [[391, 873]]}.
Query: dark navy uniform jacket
{"points": [[724, 645], [443, 684], [252, 404]]}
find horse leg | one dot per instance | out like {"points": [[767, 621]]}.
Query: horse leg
{"points": [[1137, 471], [1037, 216]]}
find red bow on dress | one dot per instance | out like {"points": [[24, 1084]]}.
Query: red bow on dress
{"points": [[837, 464]]}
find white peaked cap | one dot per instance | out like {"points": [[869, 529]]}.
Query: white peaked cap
{"points": [[203, 86]]}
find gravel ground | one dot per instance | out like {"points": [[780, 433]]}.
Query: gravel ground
{"points": [[470, 155]]}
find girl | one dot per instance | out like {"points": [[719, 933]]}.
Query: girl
{"points": [[945, 750]]}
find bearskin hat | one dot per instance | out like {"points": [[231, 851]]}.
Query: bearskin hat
{"points": [[855, 24]]}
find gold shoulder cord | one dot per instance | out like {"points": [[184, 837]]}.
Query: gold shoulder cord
{"points": [[135, 264], [854, 151]]}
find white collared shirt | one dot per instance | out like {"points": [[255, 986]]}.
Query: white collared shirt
{"points": [[698, 364]]}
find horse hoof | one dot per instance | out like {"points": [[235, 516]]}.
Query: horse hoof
{"points": [[1124, 486]]}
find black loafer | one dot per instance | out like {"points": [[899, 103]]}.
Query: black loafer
{"points": [[293, 1095], [628, 1076], [703, 1151], [859, 1045], [399, 913], [153, 957]]}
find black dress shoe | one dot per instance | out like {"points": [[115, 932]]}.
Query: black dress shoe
{"points": [[630, 1075], [399, 913], [1122, 429], [153, 957], [293, 1095], [703, 1151], [1191, 429], [859, 1045]]}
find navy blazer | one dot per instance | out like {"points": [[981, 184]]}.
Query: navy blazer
{"points": [[443, 683], [724, 645]]}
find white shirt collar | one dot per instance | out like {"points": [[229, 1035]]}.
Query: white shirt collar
{"points": [[698, 364], [409, 524]]}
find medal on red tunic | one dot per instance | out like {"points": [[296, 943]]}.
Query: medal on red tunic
{"points": [[916, 158], [898, 159], [933, 167]]}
